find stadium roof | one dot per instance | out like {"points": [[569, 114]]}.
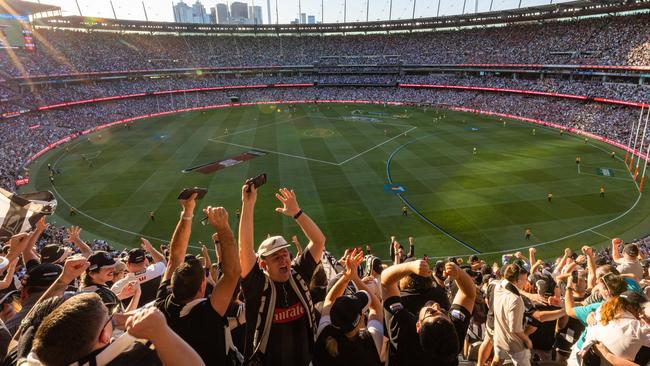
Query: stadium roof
{"points": [[572, 9], [25, 7]]}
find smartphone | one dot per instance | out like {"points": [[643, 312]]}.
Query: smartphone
{"points": [[187, 192], [257, 182]]}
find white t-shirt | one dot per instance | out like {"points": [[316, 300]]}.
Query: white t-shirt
{"points": [[149, 281], [623, 336]]}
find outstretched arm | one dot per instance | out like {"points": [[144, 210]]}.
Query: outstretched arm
{"points": [[616, 244], [28, 252], [314, 234], [74, 238], [247, 257], [181, 237], [591, 266], [156, 255], [222, 294], [391, 275], [466, 294]]}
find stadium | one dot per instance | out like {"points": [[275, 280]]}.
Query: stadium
{"points": [[478, 141]]}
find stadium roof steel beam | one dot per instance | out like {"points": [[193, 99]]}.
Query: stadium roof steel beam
{"points": [[570, 9]]}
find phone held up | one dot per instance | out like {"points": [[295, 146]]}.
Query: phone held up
{"points": [[187, 193]]}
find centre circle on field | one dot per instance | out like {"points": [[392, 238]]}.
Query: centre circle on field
{"points": [[318, 132]]}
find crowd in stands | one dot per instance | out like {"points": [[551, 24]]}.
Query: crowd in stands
{"points": [[46, 127], [65, 300], [53, 94], [598, 41], [295, 303]]}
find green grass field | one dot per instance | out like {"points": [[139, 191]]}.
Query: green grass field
{"points": [[339, 164]]}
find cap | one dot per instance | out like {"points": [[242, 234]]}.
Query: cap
{"points": [[631, 249], [99, 260], [346, 310], [137, 255], [272, 245], [43, 275], [634, 297], [52, 253]]}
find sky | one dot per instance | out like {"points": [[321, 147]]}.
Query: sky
{"points": [[287, 10]]}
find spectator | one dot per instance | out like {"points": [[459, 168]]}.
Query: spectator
{"points": [[619, 330], [510, 340], [433, 335], [629, 263], [80, 330], [280, 315], [148, 275], [341, 338], [100, 271], [36, 283], [200, 321]]}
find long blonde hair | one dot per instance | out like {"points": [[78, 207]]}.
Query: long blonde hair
{"points": [[615, 307]]}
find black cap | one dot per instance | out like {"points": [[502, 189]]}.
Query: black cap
{"points": [[346, 310], [52, 253], [137, 255], [43, 275], [100, 259]]}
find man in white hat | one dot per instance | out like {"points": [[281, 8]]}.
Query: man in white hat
{"points": [[280, 315]]}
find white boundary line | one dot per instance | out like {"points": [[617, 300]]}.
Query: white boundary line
{"points": [[483, 253], [579, 232], [102, 222]]}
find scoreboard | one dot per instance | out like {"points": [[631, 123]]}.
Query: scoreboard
{"points": [[16, 32]]}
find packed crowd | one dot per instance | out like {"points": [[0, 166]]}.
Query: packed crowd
{"points": [[53, 94], [29, 133], [287, 303], [614, 40]]}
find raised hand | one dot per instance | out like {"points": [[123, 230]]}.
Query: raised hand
{"points": [[146, 323], [189, 204], [248, 194], [18, 243], [451, 270], [532, 250], [146, 245], [587, 250], [73, 234], [420, 268], [290, 203], [41, 225], [218, 217], [73, 267], [352, 262]]}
